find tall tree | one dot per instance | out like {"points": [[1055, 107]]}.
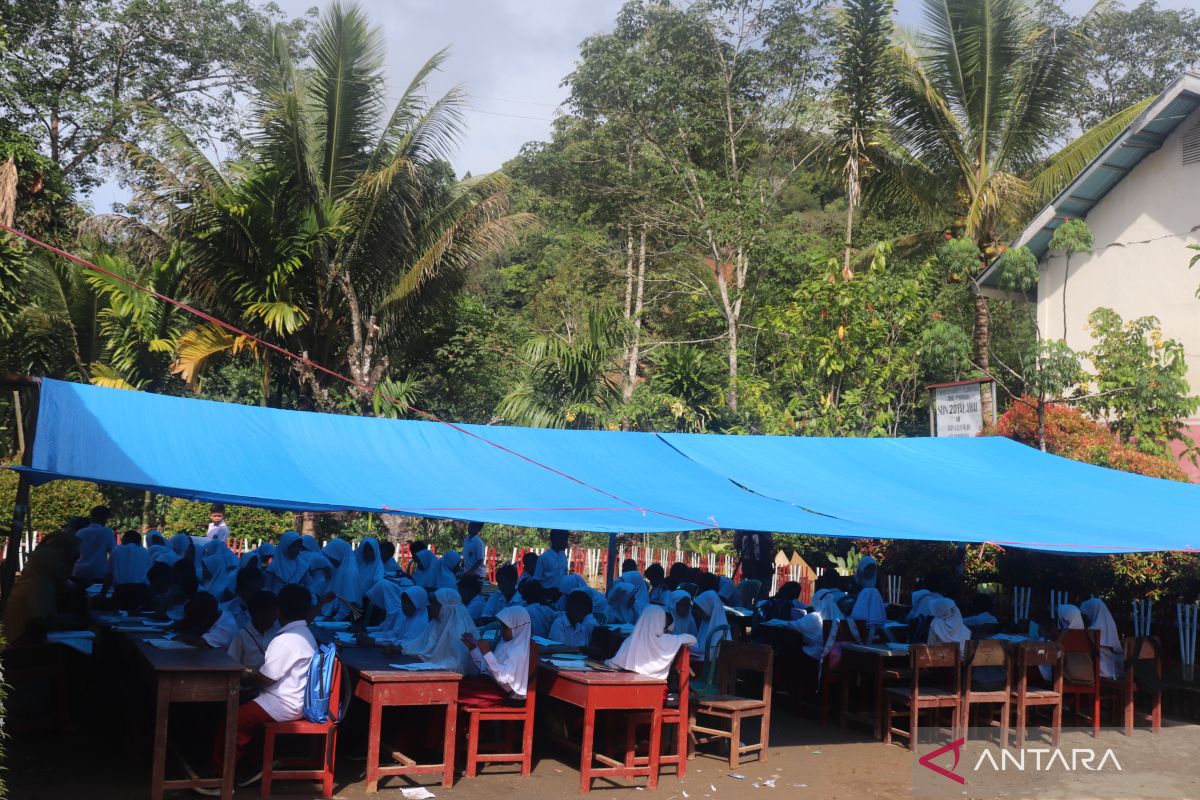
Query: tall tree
{"points": [[863, 59], [76, 73], [342, 226], [976, 108]]}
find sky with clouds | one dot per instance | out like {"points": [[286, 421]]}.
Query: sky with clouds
{"points": [[509, 55]]}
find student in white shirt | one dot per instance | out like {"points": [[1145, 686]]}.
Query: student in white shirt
{"points": [[474, 552], [504, 668], [552, 563], [128, 566], [506, 592], [283, 677], [248, 583], [540, 614], [206, 624], [249, 646], [217, 529], [96, 541], [574, 626], [469, 588]]}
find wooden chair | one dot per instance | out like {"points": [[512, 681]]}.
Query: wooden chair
{"points": [[303, 769], [1142, 654], [735, 658], [1030, 656], [707, 683], [987, 653], [520, 714], [1084, 646], [674, 714], [917, 697]]}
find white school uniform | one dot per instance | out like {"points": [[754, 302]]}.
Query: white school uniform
{"points": [[551, 568], [217, 531], [541, 616], [286, 663], [221, 634], [474, 550], [249, 647], [561, 630], [496, 601], [95, 543], [129, 563]]}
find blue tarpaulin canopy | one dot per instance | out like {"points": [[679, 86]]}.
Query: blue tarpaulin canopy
{"points": [[969, 490]]}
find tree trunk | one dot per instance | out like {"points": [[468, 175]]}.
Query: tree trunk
{"points": [[1066, 274], [983, 345], [635, 344], [731, 398], [1041, 429], [399, 528], [308, 524], [148, 512]]}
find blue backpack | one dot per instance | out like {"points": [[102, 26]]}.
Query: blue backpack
{"points": [[320, 683]]}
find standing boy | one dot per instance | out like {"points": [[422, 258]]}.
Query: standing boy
{"points": [[217, 529]]}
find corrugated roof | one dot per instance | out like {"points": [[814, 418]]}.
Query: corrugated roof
{"points": [[1143, 136]]}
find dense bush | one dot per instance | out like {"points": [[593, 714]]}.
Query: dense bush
{"points": [[243, 521], [50, 504]]}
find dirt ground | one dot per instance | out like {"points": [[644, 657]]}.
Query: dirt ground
{"points": [[106, 756]]}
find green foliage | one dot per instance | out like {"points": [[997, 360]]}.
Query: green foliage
{"points": [[846, 565], [51, 503], [1140, 382], [1071, 237], [395, 398], [1195, 260], [961, 256], [1051, 369], [945, 351], [1018, 268], [186, 516]]}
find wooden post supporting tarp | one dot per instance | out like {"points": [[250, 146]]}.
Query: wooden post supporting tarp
{"points": [[20, 516]]}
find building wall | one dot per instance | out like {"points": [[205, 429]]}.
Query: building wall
{"points": [[1140, 264]]}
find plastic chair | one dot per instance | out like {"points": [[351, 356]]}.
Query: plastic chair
{"points": [[1032, 655], [707, 684], [735, 658], [1142, 655], [987, 653], [916, 698], [675, 714], [1082, 645], [302, 769], [520, 714]]}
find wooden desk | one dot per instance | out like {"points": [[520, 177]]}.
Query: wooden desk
{"points": [[595, 691], [380, 686], [191, 676], [873, 660]]}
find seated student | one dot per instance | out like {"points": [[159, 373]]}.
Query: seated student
{"points": [[679, 573], [469, 588], [981, 610], [1077, 666], [159, 550], [726, 589], [249, 646], [656, 576], [785, 602], [368, 569], [574, 626], [382, 605], [541, 616], [414, 547], [621, 598], [215, 578], [96, 541], [283, 677], [185, 550], [128, 565], [869, 606], [442, 641], [387, 554], [826, 595], [184, 586], [529, 563], [425, 569], [710, 615], [504, 668], [32, 607], [409, 624], [678, 606], [641, 595], [1112, 652], [205, 624], [506, 592], [811, 630], [159, 579], [249, 582], [575, 583], [287, 566], [946, 626], [340, 581], [650, 650]]}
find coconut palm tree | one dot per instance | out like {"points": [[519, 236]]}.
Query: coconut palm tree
{"points": [[976, 106], [342, 224]]}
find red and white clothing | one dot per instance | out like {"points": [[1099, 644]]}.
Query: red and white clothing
{"points": [[286, 663]]}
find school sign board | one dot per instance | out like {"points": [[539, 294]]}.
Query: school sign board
{"points": [[957, 410]]}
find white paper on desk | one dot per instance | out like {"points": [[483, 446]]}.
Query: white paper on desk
{"points": [[419, 666], [419, 793], [622, 627], [542, 641], [169, 644], [571, 665], [331, 624]]}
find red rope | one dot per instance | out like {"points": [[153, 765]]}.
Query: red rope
{"points": [[332, 373]]}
